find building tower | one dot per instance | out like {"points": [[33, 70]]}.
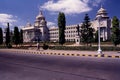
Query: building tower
{"points": [[41, 24], [38, 31], [105, 24]]}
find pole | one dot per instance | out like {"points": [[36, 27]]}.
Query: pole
{"points": [[99, 46]]}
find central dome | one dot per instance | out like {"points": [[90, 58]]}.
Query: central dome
{"points": [[28, 24], [40, 15], [102, 11]]}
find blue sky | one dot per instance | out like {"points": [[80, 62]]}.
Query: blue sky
{"points": [[18, 12]]}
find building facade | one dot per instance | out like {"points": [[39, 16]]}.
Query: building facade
{"points": [[104, 22], [36, 32], [40, 32], [70, 33]]}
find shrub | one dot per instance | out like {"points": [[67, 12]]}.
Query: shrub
{"points": [[84, 48], [45, 47], [9, 46]]}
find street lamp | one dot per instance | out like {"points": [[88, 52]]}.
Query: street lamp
{"points": [[99, 47]]}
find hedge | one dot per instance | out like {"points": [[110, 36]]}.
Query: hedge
{"points": [[84, 48]]}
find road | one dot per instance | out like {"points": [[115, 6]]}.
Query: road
{"points": [[26, 66]]}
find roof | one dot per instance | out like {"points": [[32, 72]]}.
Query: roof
{"points": [[28, 28]]}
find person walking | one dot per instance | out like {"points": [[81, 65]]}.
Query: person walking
{"points": [[38, 46]]}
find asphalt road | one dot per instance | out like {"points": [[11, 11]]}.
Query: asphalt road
{"points": [[14, 66]]}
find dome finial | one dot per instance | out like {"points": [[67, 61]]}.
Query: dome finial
{"points": [[28, 20], [28, 23], [40, 10], [101, 6]]}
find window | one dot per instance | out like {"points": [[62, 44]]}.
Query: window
{"points": [[77, 40]]}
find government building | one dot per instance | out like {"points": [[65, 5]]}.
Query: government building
{"points": [[37, 32], [40, 32]]}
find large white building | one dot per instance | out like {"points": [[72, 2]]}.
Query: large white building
{"points": [[39, 30], [71, 33], [36, 32], [104, 23]]}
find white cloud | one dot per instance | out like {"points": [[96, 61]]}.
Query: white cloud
{"points": [[85, 1], [4, 18], [66, 6], [49, 24], [96, 2], [70, 6]]}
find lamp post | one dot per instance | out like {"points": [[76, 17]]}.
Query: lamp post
{"points": [[99, 46]]}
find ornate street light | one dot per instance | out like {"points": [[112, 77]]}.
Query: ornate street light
{"points": [[99, 46]]}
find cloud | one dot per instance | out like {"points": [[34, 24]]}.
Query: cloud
{"points": [[4, 18], [66, 6], [95, 2], [49, 24], [70, 6]]}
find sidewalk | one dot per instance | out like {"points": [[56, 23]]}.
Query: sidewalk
{"points": [[110, 54]]}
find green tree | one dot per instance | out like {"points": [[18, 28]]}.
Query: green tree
{"points": [[61, 25], [96, 36], [78, 30], [21, 36], [1, 36], [87, 31], [16, 36], [11, 36], [7, 37], [115, 31]]}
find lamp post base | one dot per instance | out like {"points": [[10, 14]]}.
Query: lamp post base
{"points": [[99, 51]]}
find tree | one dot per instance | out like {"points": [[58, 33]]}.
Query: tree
{"points": [[16, 36], [1, 36], [78, 29], [11, 36], [7, 38], [61, 25], [96, 36], [115, 31], [21, 36], [87, 31]]}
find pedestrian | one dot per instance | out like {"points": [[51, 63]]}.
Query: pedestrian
{"points": [[38, 46]]}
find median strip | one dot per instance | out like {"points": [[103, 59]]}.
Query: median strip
{"points": [[66, 54], [77, 55]]}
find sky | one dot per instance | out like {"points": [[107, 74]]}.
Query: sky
{"points": [[19, 12]]}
